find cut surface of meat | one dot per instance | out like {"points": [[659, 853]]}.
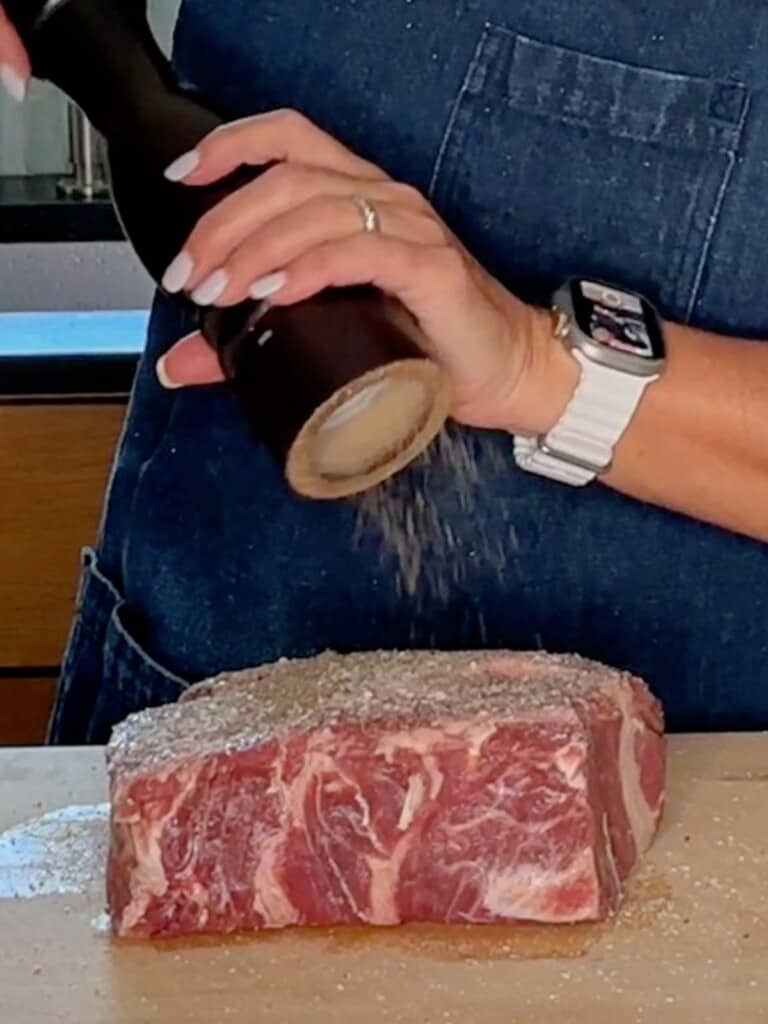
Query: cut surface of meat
{"points": [[384, 788]]}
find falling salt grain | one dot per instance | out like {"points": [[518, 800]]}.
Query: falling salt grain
{"points": [[420, 517]]}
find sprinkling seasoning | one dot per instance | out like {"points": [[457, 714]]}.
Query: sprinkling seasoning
{"points": [[422, 517]]}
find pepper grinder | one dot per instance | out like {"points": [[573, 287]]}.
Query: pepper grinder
{"points": [[337, 386]]}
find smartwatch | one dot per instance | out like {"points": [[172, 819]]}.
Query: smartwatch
{"points": [[616, 338]]}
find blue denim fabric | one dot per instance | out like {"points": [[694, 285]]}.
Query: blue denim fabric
{"points": [[623, 140]]}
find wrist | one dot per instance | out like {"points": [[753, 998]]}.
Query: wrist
{"points": [[547, 382]]}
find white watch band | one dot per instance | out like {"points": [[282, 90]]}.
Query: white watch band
{"points": [[580, 445]]}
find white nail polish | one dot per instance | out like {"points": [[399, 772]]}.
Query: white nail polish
{"points": [[178, 272], [162, 375], [14, 84], [182, 166], [265, 286], [211, 288]]}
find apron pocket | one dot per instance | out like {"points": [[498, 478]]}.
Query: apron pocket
{"points": [[106, 675], [133, 680], [587, 166]]}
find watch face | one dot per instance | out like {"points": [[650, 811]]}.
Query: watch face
{"points": [[616, 320]]}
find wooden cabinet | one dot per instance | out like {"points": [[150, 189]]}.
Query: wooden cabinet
{"points": [[25, 706], [54, 464]]}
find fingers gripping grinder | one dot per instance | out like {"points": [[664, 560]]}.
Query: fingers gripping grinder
{"points": [[336, 386]]}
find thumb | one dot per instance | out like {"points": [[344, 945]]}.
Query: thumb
{"points": [[190, 361]]}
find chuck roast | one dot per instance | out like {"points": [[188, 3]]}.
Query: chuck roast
{"points": [[383, 788]]}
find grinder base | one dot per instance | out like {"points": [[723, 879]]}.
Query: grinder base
{"points": [[370, 429]]}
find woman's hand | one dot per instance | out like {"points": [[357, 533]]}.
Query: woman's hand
{"points": [[296, 230], [698, 441], [14, 63]]}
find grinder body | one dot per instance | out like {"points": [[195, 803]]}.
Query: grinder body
{"points": [[294, 369]]}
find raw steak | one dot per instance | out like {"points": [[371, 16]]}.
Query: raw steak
{"points": [[384, 788]]}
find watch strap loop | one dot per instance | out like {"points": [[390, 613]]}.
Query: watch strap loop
{"points": [[580, 445]]}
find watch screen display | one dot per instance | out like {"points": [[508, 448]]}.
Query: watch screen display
{"points": [[616, 320]]}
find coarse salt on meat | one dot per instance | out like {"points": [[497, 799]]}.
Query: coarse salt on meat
{"points": [[383, 788]]}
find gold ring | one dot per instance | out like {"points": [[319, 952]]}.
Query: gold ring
{"points": [[369, 214]]}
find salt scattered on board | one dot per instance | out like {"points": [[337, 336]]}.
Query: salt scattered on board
{"points": [[63, 851]]}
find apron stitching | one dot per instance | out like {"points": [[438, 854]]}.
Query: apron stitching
{"points": [[457, 104], [715, 217]]}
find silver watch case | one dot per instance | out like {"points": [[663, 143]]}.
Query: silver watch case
{"points": [[575, 339]]}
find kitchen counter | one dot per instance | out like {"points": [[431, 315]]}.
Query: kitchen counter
{"points": [[32, 210], [69, 356], [691, 943], [65, 376]]}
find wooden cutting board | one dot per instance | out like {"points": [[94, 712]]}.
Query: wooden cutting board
{"points": [[690, 945]]}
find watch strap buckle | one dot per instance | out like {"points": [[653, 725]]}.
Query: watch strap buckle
{"points": [[593, 466]]}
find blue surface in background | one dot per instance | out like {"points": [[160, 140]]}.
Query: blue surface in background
{"points": [[102, 332]]}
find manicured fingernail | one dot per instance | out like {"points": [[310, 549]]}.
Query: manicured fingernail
{"points": [[178, 272], [211, 288], [182, 166], [263, 287], [14, 84], [161, 369]]}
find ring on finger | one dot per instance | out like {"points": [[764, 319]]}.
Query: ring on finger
{"points": [[369, 215]]}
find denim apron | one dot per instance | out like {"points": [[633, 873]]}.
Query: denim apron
{"points": [[618, 139]]}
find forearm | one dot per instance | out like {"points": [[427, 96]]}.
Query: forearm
{"points": [[698, 443]]}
